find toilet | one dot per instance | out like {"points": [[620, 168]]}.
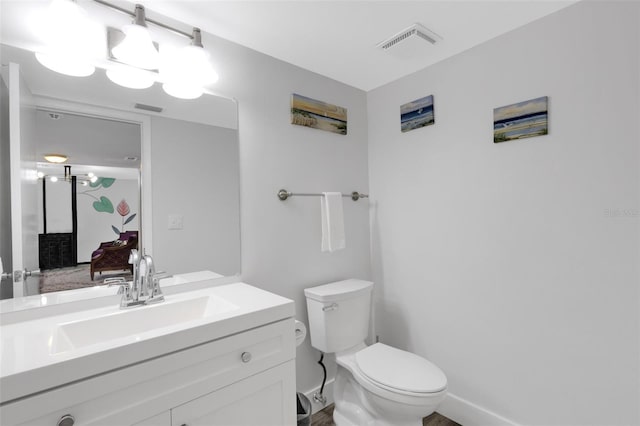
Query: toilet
{"points": [[375, 385]]}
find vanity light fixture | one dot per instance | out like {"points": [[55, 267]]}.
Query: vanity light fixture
{"points": [[134, 60], [187, 70], [55, 158], [70, 37], [131, 77], [137, 48]]}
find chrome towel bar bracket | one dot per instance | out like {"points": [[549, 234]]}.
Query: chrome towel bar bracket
{"points": [[283, 194]]}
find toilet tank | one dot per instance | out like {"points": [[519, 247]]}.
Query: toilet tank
{"points": [[339, 314]]}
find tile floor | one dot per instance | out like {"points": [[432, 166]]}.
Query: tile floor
{"points": [[324, 418]]}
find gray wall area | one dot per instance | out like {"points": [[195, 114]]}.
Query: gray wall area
{"points": [[514, 266], [195, 176]]}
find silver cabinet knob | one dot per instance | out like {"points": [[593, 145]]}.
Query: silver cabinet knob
{"points": [[66, 420], [245, 357]]}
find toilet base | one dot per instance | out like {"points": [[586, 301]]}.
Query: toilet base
{"points": [[354, 406]]}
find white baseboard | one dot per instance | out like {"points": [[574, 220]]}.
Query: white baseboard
{"points": [[327, 392], [453, 407], [469, 414]]}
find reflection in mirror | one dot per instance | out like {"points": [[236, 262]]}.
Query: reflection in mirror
{"points": [[187, 208], [89, 205]]}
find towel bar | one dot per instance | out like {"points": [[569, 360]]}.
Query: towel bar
{"points": [[283, 194]]}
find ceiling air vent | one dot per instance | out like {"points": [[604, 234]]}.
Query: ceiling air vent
{"points": [[409, 39], [148, 107]]}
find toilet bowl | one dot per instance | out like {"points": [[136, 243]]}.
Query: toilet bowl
{"points": [[375, 385]]}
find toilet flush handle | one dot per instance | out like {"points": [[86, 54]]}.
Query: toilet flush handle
{"points": [[331, 307]]}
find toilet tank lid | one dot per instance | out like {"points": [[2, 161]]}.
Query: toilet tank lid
{"points": [[339, 290]]}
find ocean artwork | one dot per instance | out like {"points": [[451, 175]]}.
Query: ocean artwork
{"points": [[522, 120], [318, 115], [416, 114]]}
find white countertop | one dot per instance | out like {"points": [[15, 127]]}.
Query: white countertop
{"points": [[31, 360]]}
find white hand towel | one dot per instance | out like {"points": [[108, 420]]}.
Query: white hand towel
{"points": [[332, 222]]}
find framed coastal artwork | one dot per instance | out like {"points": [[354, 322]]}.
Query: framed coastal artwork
{"points": [[417, 114], [522, 120], [318, 115]]}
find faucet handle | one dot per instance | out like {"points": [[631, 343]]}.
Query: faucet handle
{"points": [[134, 257], [155, 290], [114, 281]]}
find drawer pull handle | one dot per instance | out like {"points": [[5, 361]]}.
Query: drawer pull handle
{"points": [[245, 357], [66, 420]]}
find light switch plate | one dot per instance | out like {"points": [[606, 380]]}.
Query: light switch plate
{"points": [[176, 221]]}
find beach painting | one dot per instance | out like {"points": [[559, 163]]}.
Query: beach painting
{"points": [[318, 115], [522, 120], [416, 114]]}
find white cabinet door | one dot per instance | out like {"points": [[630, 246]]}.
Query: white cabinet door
{"points": [[266, 399]]}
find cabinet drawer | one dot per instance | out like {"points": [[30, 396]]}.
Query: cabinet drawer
{"points": [[137, 392], [265, 399]]}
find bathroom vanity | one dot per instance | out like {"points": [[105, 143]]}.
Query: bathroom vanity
{"points": [[215, 356]]}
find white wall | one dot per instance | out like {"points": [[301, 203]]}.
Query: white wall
{"points": [[505, 264], [195, 175]]}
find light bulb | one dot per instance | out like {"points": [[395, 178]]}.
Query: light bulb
{"points": [[40, 175], [183, 90], [130, 77], [71, 39], [53, 179], [93, 179], [137, 48], [186, 71], [63, 63]]}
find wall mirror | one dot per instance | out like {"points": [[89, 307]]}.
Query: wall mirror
{"points": [[175, 181]]}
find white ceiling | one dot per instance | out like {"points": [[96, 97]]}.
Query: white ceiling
{"points": [[338, 38], [87, 140], [335, 38]]}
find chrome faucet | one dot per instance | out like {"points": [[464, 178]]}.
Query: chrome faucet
{"points": [[134, 259], [145, 287]]}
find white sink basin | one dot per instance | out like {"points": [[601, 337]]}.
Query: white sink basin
{"points": [[135, 321], [53, 349]]}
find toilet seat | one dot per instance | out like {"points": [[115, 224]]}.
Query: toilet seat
{"points": [[400, 371]]}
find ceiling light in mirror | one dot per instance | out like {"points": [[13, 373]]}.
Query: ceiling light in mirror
{"points": [[55, 158], [133, 78]]}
